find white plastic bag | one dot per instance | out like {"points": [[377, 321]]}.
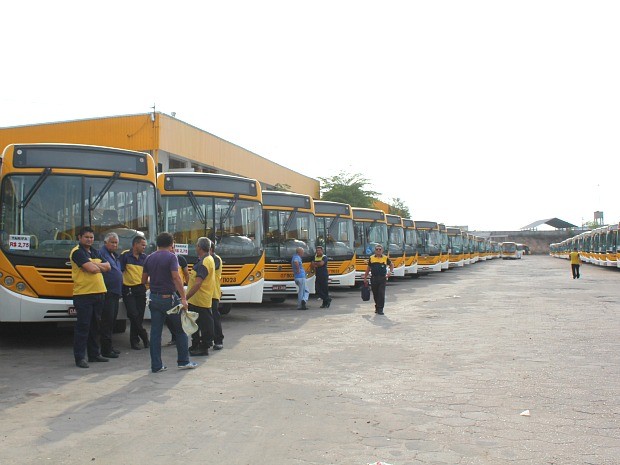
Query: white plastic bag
{"points": [[188, 319]]}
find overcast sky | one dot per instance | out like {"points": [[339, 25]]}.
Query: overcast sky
{"points": [[490, 114]]}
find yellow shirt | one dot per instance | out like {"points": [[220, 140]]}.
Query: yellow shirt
{"points": [[205, 269], [574, 258], [217, 294], [84, 282]]}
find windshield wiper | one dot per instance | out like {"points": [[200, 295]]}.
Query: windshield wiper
{"points": [[289, 221], [226, 215], [105, 189], [199, 212], [33, 190]]}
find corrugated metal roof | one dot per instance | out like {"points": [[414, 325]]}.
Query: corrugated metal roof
{"points": [[553, 222]]}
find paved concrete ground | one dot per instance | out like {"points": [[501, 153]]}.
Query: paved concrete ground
{"points": [[442, 378]]}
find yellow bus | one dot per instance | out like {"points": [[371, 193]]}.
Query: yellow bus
{"points": [[444, 244], [396, 243], [50, 191], [227, 210], [370, 229], [289, 222], [429, 255], [508, 251], [455, 247], [334, 230], [411, 247]]}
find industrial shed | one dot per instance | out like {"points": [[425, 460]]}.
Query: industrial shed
{"points": [[553, 222], [174, 144]]}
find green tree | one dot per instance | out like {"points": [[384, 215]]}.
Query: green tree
{"points": [[282, 187], [348, 188], [398, 207]]}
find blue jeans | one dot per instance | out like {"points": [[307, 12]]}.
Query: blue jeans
{"points": [[302, 291], [159, 306]]}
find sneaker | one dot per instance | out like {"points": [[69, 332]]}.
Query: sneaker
{"points": [[303, 305], [161, 370], [218, 346], [187, 366]]}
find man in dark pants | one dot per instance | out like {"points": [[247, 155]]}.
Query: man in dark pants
{"points": [[134, 292], [218, 335], [114, 284], [89, 291], [319, 264], [378, 268], [200, 290]]}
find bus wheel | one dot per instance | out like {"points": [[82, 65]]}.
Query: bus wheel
{"points": [[224, 309], [278, 300], [119, 326]]}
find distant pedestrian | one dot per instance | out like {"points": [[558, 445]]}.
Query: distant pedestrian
{"points": [[161, 270], [319, 264], [575, 262], [299, 274], [114, 284], [380, 268], [89, 292]]}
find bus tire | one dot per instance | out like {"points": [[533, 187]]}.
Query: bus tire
{"points": [[119, 326], [278, 300], [224, 309]]}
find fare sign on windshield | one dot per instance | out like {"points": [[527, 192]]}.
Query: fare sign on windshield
{"points": [[19, 242]]}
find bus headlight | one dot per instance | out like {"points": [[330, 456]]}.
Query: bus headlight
{"points": [[21, 287], [250, 278], [9, 280], [258, 274]]}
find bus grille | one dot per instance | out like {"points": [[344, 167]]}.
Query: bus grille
{"points": [[55, 275], [277, 267]]}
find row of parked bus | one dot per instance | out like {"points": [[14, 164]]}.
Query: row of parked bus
{"points": [[599, 246], [49, 191]]}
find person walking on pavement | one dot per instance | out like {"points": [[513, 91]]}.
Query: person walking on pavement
{"points": [[134, 291], [218, 335], [319, 264], [87, 268], [299, 274], [378, 265], [200, 291], [113, 280], [161, 271], [575, 262]]}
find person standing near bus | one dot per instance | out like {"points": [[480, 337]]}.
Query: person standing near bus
{"points": [[113, 280], [319, 264], [161, 270], [378, 265], [134, 291], [575, 262], [200, 289], [218, 335], [183, 271], [87, 268], [299, 273]]}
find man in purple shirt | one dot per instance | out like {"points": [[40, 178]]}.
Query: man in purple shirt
{"points": [[161, 270]]}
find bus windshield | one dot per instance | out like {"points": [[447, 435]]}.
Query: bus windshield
{"points": [[430, 241], [456, 244], [235, 225], [42, 213], [368, 234], [397, 240], [287, 230], [336, 235], [411, 242]]}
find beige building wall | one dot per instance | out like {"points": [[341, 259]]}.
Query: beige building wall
{"points": [[166, 138]]}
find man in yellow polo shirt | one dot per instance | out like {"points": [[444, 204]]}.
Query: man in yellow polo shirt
{"points": [[200, 290], [88, 297]]}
